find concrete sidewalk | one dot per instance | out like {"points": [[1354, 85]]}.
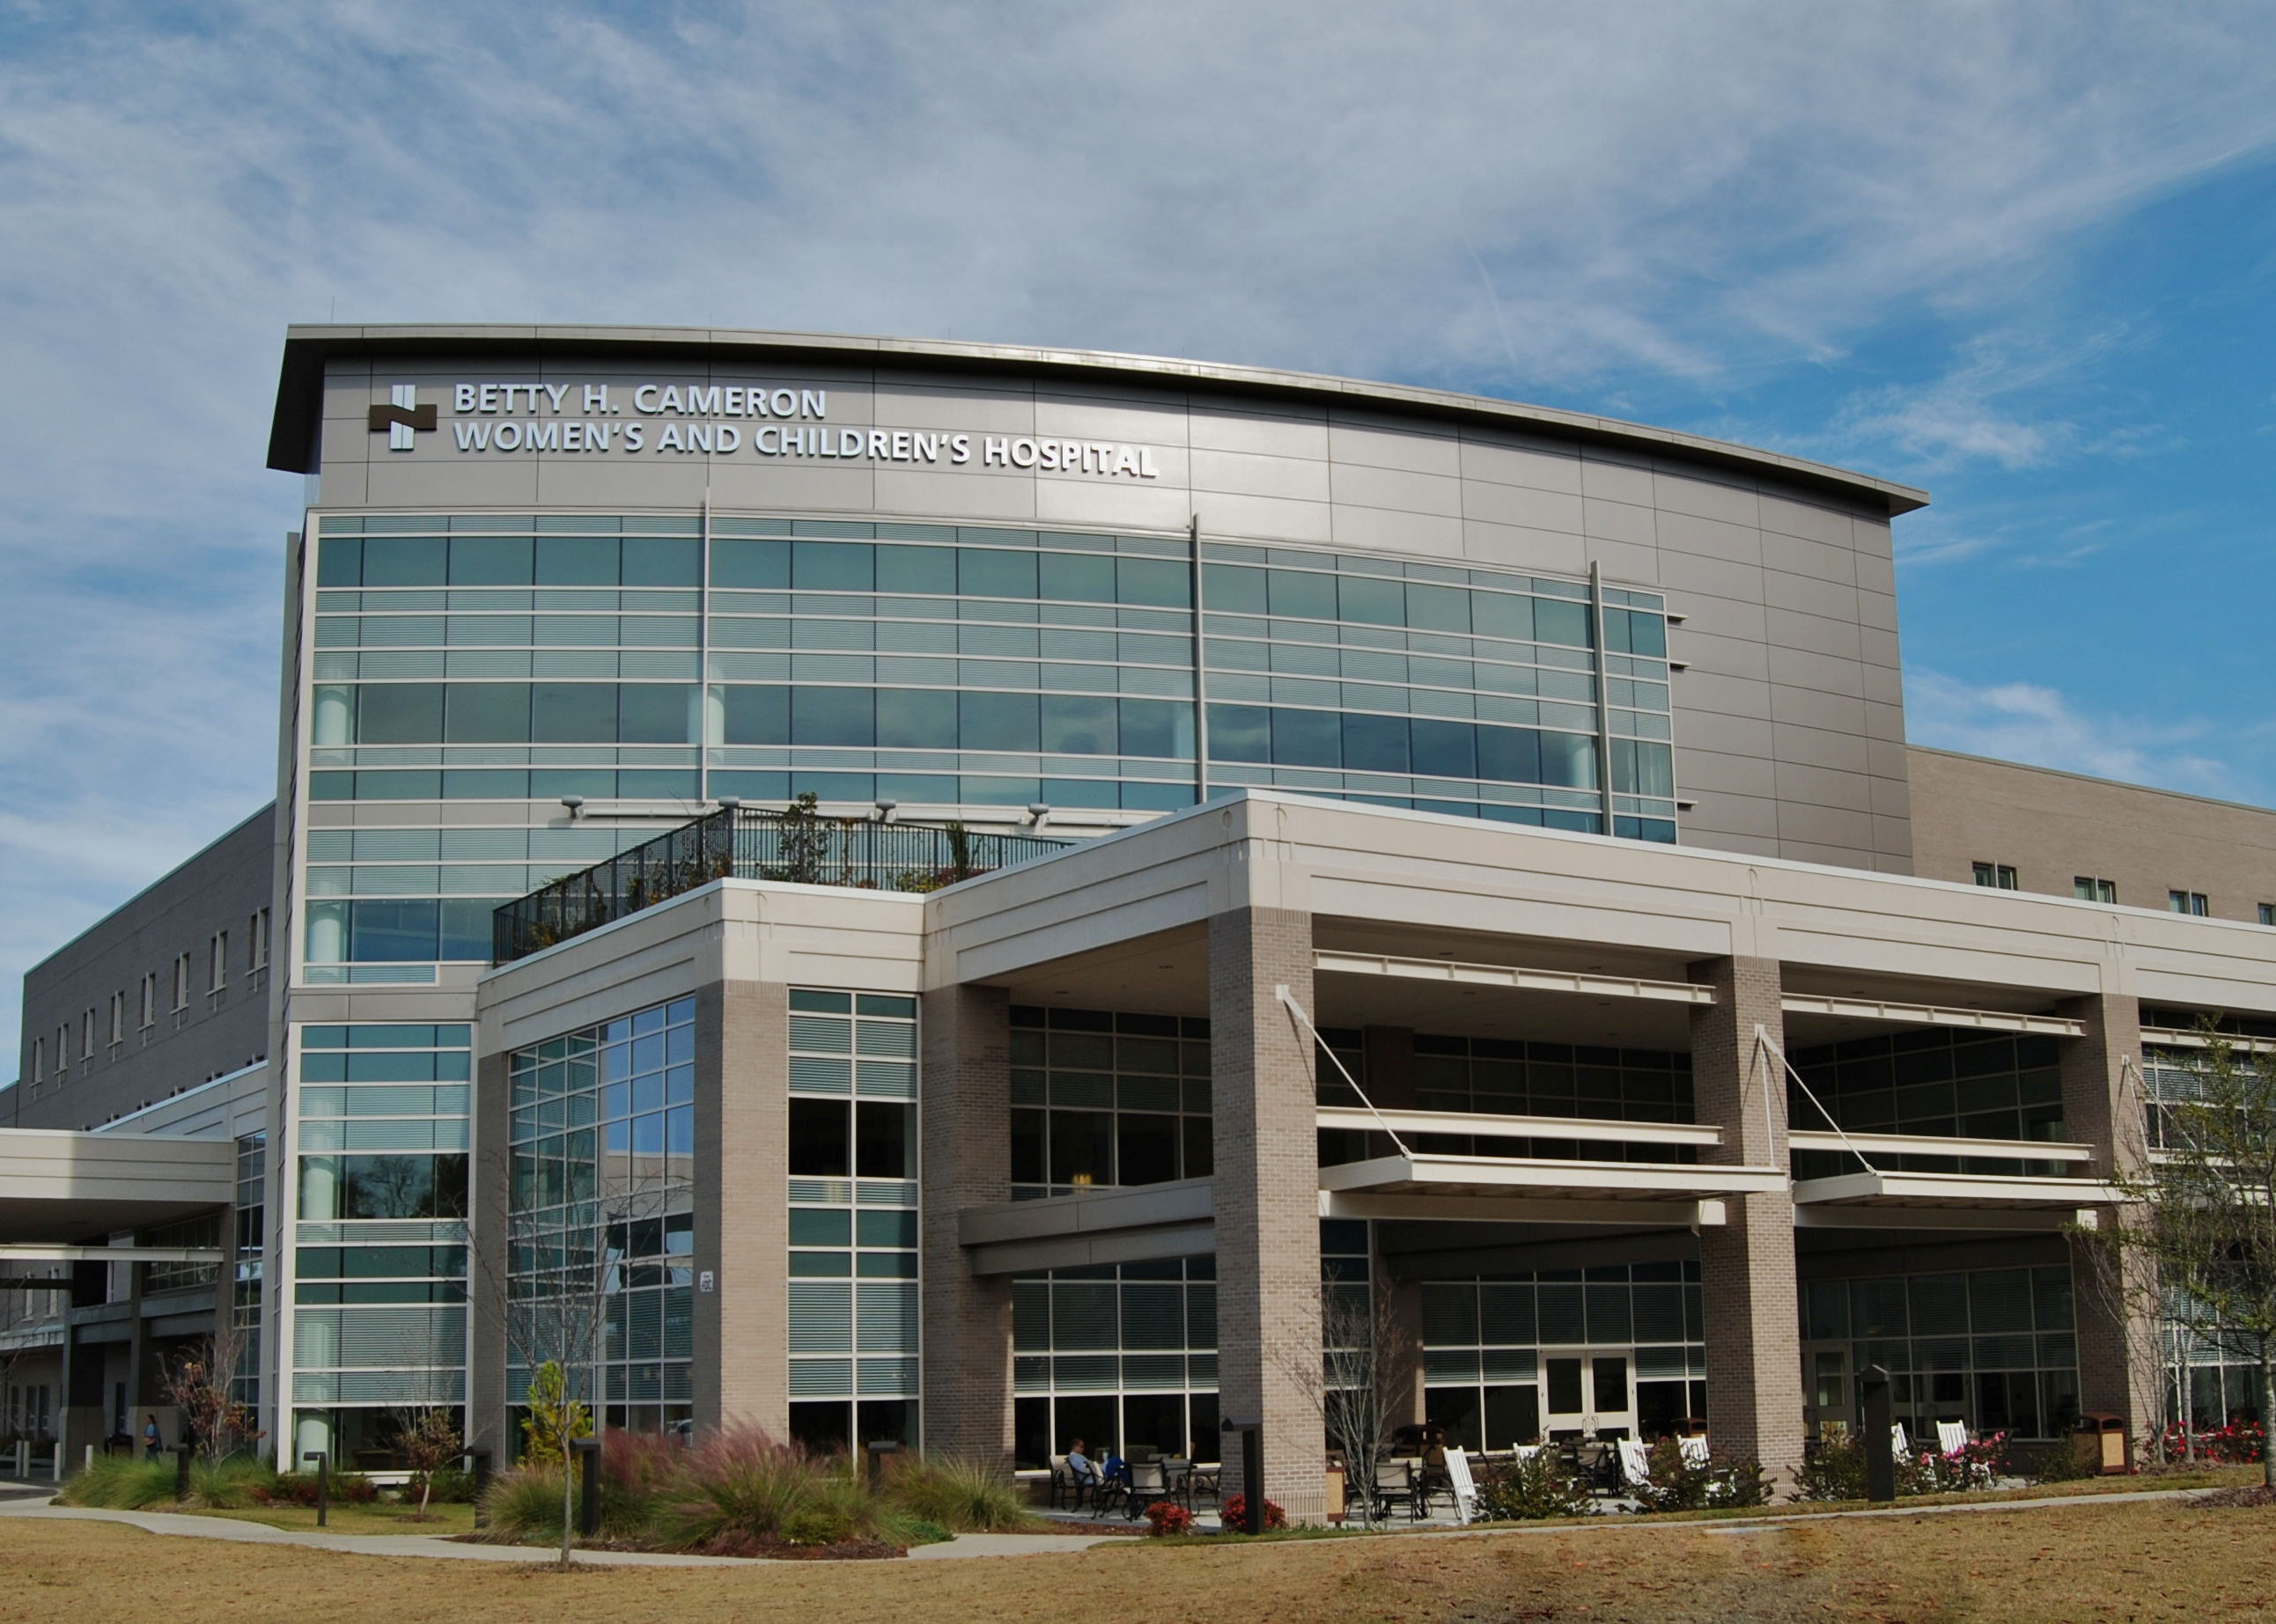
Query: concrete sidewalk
{"points": [[197, 1527]]}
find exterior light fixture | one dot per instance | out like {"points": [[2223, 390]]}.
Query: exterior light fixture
{"points": [[576, 805], [886, 811]]}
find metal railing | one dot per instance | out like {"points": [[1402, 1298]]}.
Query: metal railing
{"points": [[798, 846]]}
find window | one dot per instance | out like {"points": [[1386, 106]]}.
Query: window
{"points": [[62, 1050], [39, 1060], [2088, 889], [2190, 902], [87, 1036], [256, 939], [119, 1017], [1998, 876], [182, 983], [2268, 913], [217, 962], [149, 1013]]}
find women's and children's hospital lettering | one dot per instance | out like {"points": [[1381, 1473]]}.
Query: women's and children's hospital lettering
{"points": [[722, 420]]}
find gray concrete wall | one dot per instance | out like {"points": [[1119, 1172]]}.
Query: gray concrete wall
{"points": [[219, 889]]}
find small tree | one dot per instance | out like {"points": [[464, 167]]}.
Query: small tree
{"points": [[2200, 1217], [1361, 1382], [430, 1441], [201, 1386], [556, 1419]]}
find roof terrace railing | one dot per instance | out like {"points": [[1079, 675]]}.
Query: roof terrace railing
{"points": [[798, 846]]}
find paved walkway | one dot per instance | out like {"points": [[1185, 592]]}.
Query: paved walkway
{"points": [[971, 1544], [430, 1545]]}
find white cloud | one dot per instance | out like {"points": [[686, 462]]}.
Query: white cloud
{"points": [[1533, 199], [2025, 722]]}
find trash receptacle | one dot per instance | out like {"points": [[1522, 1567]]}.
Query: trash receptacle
{"points": [[2101, 1436]]}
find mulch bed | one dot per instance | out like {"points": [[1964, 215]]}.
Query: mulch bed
{"points": [[2254, 1495]]}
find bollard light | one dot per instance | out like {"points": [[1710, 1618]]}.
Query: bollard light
{"points": [[323, 1458]]}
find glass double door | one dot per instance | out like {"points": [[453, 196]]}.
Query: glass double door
{"points": [[1588, 1393]]}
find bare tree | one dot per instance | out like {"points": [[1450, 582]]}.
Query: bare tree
{"points": [[431, 1440], [203, 1386], [2200, 1218], [1361, 1380]]}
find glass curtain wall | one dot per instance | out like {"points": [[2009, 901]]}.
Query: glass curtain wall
{"points": [[497, 658], [1994, 1347], [602, 1228], [855, 1309], [1983, 1085], [379, 1266]]}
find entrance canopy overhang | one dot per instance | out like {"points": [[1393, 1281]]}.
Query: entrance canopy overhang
{"points": [[1421, 1185], [60, 1187]]}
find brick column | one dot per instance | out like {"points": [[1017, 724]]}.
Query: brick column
{"points": [[965, 1133], [2119, 1369], [1267, 1194], [742, 1205], [1746, 1264]]}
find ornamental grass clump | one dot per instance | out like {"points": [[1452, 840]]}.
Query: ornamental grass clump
{"points": [[962, 1495], [124, 1482], [739, 1492]]}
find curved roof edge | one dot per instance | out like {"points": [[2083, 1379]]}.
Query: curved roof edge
{"points": [[292, 433]]}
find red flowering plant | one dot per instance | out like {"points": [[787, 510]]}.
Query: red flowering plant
{"points": [[1236, 1514], [1971, 1466], [1168, 1517], [2238, 1444]]}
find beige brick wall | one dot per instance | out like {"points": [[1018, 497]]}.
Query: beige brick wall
{"points": [[742, 1218], [2053, 827], [1746, 1265], [964, 1136], [1267, 1188]]}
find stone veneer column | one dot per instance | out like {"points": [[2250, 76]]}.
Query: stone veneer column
{"points": [[1268, 1191], [964, 1132], [492, 1218], [742, 1205], [1746, 1265], [2119, 1369]]}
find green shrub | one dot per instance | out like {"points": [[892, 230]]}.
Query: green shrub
{"points": [[740, 1491], [1835, 1471], [902, 1529], [2074, 1458], [969, 1496], [1527, 1488], [299, 1489]]}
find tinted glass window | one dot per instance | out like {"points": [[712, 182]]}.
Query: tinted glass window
{"points": [[750, 566], [820, 1145], [1445, 748], [833, 716], [1556, 620], [1500, 614], [833, 566], [1372, 602], [1437, 609], [995, 572], [490, 561], [392, 932], [339, 562], [572, 713], [576, 561], [996, 721], [916, 718], [653, 712], [1156, 728], [1301, 593], [1080, 724], [1227, 589], [1083, 577], [1509, 755], [1375, 743], [916, 570], [1156, 581], [487, 713], [663, 561], [1568, 760], [757, 715], [1306, 738], [399, 713], [1240, 733], [403, 561]]}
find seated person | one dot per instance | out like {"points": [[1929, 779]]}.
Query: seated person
{"points": [[1084, 1469]]}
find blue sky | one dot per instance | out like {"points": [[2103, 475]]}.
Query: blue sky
{"points": [[2021, 255]]}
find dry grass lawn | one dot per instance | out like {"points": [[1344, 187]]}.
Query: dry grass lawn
{"points": [[2088, 1563]]}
